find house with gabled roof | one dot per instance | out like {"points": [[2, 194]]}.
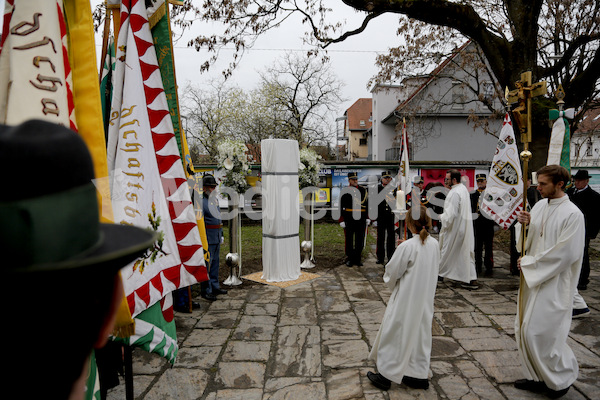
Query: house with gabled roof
{"points": [[585, 141], [356, 125], [449, 113]]}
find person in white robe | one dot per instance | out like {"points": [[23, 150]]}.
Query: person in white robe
{"points": [[549, 274], [457, 241], [402, 348]]}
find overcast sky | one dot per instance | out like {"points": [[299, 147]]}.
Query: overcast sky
{"points": [[352, 60]]}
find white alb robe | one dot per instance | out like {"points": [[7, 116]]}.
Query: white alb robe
{"points": [[457, 242], [403, 344], [549, 274]]}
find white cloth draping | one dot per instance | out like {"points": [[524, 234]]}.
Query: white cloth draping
{"points": [[550, 271], [281, 210], [457, 243], [402, 346]]}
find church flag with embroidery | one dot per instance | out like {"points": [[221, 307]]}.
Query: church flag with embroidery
{"points": [[148, 183], [503, 196], [559, 149]]}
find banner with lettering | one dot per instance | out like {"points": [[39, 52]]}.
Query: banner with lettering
{"points": [[503, 196], [148, 183]]}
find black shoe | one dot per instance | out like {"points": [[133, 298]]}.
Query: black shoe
{"points": [[208, 296], [488, 272], [348, 263], [360, 264], [555, 394], [416, 383], [582, 287], [440, 279], [182, 309], [531, 386], [470, 286], [379, 381], [219, 291], [379, 262], [195, 305]]}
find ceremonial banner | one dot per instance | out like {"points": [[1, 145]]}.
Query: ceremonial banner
{"points": [[559, 150], [404, 184], [34, 66], [503, 197], [149, 186]]}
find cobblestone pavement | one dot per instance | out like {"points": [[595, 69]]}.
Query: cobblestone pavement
{"points": [[311, 341]]}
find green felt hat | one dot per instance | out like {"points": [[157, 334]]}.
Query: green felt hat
{"points": [[49, 219]]}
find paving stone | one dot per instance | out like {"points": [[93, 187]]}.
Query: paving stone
{"points": [[587, 383], [249, 331], [462, 319], [236, 394], [298, 311], [506, 322], [454, 386], [345, 354], [326, 283], [504, 308], [240, 375], [332, 301], [298, 351], [484, 389], [179, 383], [304, 391], [140, 385], [339, 326], [262, 309], [344, 385], [503, 365], [369, 312], [238, 350], [225, 304], [274, 384], [500, 343], [474, 332], [219, 319], [359, 291], [145, 363], [266, 294], [198, 357], [585, 357], [207, 337], [350, 274], [299, 290], [442, 346], [452, 305]]}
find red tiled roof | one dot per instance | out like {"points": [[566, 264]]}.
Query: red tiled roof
{"points": [[359, 111]]}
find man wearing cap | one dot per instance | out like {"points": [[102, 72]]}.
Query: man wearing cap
{"points": [[353, 218], [386, 236], [483, 229], [214, 231], [54, 248], [457, 259], [588, 201]]}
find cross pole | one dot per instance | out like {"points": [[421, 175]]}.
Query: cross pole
{"points": [[522, 96]]}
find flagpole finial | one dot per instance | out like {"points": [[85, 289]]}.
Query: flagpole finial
{"points": [[560, 95]]}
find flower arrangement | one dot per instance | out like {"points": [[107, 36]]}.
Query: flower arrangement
{"points": [[308, 175], [233, 158]]}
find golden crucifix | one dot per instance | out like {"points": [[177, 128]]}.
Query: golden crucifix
{"points": [[522, 95]]}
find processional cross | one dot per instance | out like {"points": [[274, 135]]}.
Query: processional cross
{"points": [[522, 95]]}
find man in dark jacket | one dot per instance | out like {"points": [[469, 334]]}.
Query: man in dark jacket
{"points": [[386, 237], [354, 201], [587, 200], [483, 229]]}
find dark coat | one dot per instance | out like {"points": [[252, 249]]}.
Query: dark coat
{"points": [[588, 201]]}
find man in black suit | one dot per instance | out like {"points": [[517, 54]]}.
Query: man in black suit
{"points": [[354, 201], [483, 229], [386, 236], [587, 200]]}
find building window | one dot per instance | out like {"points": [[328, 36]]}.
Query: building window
{"points": [[588, 147], [362, 122], [362, 142], [488, 90]]}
